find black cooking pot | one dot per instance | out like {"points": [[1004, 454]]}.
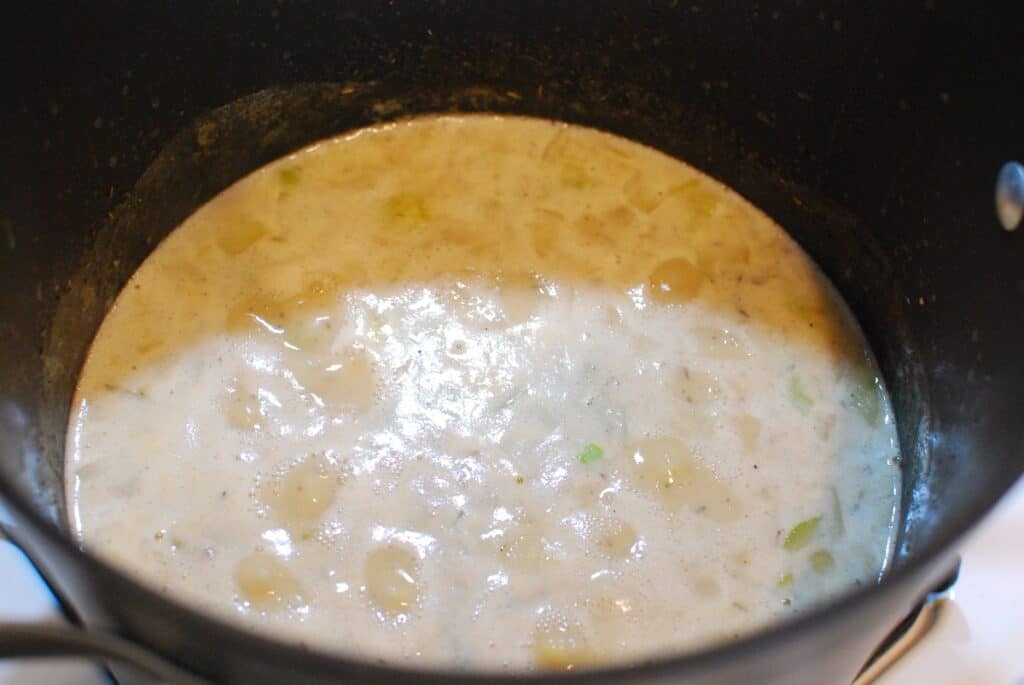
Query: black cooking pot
{"points": [[872, 131]]}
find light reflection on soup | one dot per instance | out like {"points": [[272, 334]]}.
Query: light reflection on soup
{"points": [[484, 392]]}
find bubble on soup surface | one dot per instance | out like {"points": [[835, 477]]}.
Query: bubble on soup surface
{"points": [[669, 471], [265, 582], [392, 582]]}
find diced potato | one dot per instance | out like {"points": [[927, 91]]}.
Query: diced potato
{"points": [[617, 539], [567, 146], [459, 236], [704, 202], [407, 210], [523, 545], [265, 582], [606, 607], [748, 429], [706, 586], [311, 332], [668, 469], [258, 303], [240, 234], [244, 411], [521, 296], [724, 256], [619, 217], [697, 387], [641, 194], [594, 230], [573, 175], [826, 424], [559, 646], [283, 281], [608, 615], [693, 421], [544, 230], [675, 281], [391, 576], [347, 380], [299, 498], [719, 343]]}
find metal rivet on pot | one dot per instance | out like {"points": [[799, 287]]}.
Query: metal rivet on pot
{"points": [[1010, 195]]}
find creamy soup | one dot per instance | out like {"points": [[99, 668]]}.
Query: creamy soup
{"points": [[484, 392]]}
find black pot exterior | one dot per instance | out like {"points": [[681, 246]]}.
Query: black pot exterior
{"points": [[873, 134]]}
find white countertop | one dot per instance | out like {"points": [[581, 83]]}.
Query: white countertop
{"points": [[979, 639]]}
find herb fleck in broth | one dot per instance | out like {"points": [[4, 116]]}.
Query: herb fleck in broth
{"points": [[502, 393]]}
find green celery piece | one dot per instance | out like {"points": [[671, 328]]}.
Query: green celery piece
{"points": [[822, 561], [798, 396], [866, 399], [289, 176], [801, 534], [590, 454]]}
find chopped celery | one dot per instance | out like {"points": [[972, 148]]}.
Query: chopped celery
{"points": [[798, 396], [822, 561], [866, 400], [837, 513], [289, 176], [590, 454], [574, 176], [407, 209], [704, 203], [238, 236], [785, 581], [801, 534]]}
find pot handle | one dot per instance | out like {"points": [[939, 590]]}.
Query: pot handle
{"points": [[910, 631], [27, 640]]}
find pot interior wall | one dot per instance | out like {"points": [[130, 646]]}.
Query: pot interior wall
{"points": [[872, 135]]}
